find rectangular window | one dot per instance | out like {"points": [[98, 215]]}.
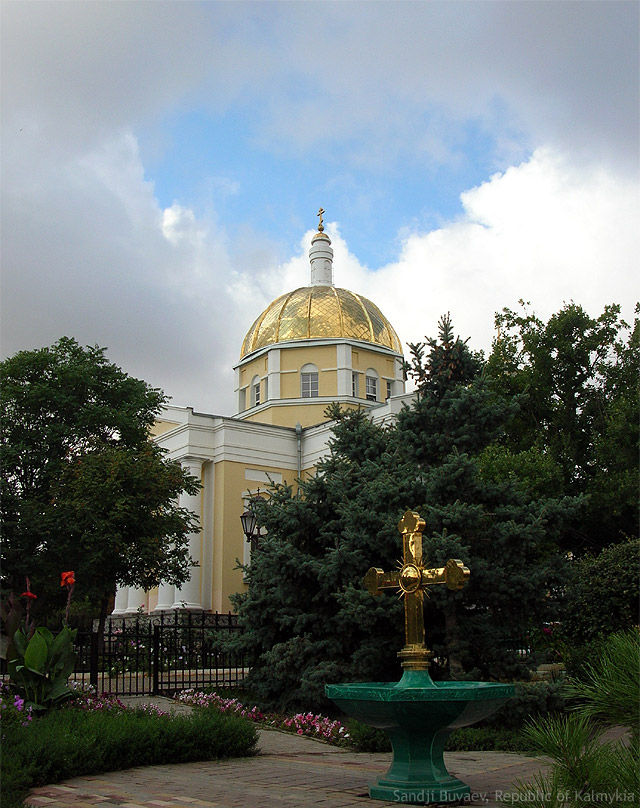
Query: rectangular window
{"points": [[242, 401], [309, 385], [256, 394], [266, 389], [371, 388], [354, 385], [388, 396]]}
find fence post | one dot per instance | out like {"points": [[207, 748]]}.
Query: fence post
{"points": [[93, 659], [155, 660]]}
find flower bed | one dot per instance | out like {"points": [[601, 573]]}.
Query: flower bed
{"points": [[313, 726]]}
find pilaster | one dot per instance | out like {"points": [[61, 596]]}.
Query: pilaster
{"points": [[273, 370], [344, 367]]}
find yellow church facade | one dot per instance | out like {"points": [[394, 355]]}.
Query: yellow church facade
{"points": [[313, 346]]}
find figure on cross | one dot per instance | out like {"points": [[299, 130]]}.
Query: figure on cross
{"points": [[412, 579]]}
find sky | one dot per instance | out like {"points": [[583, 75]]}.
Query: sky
{"points": [[163, 163]]}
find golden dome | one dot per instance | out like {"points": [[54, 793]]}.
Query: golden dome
{"points": [[320, 312]]}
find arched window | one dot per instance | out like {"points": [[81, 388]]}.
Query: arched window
{"points": [[309, 381], [255, 391], [371, 385]]}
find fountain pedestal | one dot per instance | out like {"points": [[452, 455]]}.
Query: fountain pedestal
{"points": [[417, 713]]}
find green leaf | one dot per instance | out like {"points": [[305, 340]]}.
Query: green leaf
{"points": [[37, 653], [59, 690], [61, 644], [46, 635], [20, 642]]}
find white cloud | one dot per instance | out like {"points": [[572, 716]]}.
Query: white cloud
{"points": [[542, 231], [179, 224]]}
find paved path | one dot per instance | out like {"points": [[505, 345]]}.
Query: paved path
{"points": [[289, 771]]}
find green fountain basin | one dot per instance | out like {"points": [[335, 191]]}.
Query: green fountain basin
{"points": [[418, 714]]}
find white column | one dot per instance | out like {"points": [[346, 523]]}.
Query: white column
{"points": [[344, 365], [122, 599], [188, 596], [166, 597], [137, 598]]}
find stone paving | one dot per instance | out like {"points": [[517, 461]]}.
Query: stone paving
{"points": [[289, 770]]}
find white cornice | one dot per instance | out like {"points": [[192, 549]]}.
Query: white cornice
{"points": [[216, 438]]}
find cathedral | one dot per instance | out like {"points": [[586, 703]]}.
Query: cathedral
{"points": [[315, 345]]}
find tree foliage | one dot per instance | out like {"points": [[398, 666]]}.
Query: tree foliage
{"points": [[83, 486], [575, 380], [306, 615]]}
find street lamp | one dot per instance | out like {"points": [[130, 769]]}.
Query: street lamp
{"points": [[250, 527]]}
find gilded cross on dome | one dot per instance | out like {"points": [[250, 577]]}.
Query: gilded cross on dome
{"points": [[412, 579], [320, 213]]}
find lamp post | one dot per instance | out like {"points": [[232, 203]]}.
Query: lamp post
{"points": [[250, 527]]}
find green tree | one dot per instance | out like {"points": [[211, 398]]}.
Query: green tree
{"points": [[83, 486], [575, 380], [506, 533], [307, 616]]}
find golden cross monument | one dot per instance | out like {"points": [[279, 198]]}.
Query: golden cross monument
{"points": [[412, 579], [320, 213]]}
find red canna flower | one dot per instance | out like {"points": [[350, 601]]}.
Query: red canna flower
{"points": [[28, 595], [67, 578]]}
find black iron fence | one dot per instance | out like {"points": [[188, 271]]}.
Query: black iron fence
{"points": [[153, 655]]}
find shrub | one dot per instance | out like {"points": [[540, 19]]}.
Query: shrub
{"points": [[603, 597], [368, 739], [71, 742], [531, 700], [487, 739]]}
